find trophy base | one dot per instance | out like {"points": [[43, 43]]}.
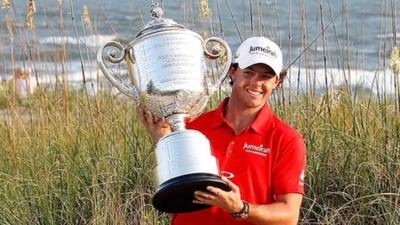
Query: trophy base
{"points": [[176, 195]]}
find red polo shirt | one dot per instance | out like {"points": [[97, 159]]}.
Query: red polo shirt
{"points": [[266, 159]]}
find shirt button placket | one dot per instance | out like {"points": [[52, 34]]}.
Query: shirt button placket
{"points": [[230, 148]]}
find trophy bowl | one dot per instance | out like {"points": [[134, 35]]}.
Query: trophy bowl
{"points": [[169, 77], [185, 165]]}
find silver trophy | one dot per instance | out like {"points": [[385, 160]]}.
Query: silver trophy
{"points": [[167, 66]]}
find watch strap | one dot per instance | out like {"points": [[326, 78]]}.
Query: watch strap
{"points": [[243, 213]]}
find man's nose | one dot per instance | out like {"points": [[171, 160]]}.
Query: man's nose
{"points": [[257, 78]]}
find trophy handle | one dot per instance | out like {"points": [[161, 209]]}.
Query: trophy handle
{"points": [[215, 54], [115, 79]]}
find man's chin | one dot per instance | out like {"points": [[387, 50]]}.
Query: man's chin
{"points": [[255, 104]]}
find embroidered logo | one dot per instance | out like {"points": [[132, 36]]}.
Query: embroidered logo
{"points": [[256, 149], [262, 50], [227, 174]]}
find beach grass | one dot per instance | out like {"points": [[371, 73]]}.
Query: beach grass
{"points": [[91, 162], [353, 161], [86, 163]]}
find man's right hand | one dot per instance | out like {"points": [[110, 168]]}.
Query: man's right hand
{"points": [[157, 127]]}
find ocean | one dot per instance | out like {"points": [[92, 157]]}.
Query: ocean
{"points": [[354, 47]]}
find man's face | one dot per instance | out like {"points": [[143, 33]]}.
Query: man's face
{"points": [[253, 85]]}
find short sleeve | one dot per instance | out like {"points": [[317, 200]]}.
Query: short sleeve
{"points": [[289, 170]]}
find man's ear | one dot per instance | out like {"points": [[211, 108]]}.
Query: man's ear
{"points": [[231, 73], [231, 70], [278, 82], [282, 76]]}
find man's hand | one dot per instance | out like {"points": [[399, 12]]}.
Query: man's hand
{"points": [[228, 200], [157, 127], [284, 211]]}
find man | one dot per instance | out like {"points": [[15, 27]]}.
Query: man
{"points": [[260, 157]]}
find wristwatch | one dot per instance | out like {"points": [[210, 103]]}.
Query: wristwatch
{"points": [[242, 214]]}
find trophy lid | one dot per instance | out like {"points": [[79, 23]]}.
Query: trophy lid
{"points": [[159, 23]]}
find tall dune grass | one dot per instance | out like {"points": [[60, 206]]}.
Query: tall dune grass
{"points": [[97, 167], [70, 158], [93, 169], [353, 161]]}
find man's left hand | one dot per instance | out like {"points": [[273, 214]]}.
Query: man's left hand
{"points": [[228, 200]]}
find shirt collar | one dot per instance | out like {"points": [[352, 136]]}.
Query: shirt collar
{"points": [[263, 120], [218, 118], [259, 125]]}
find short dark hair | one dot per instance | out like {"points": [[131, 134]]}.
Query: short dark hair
{"points": [[282, 74]]}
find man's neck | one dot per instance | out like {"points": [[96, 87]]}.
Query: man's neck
{"points": [[238, 116]]}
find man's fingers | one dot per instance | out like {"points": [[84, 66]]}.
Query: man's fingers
{"points": [[197, 201], [233, 186], [157, 120], [203, 202], [163, 121], [150, 119], [140, 113], [149, 116], [203, 196], [216, 191]]}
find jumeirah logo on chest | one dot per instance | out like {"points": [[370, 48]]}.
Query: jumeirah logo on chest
{"points": [[256, 149]]}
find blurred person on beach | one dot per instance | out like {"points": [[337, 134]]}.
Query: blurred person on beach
{"points": [[23, 82], [3, 84], [260, 157]]}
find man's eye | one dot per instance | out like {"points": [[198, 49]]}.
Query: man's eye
{"points": [[247, 73], [268, 76]]}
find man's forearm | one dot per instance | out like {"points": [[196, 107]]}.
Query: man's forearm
{"points": [[284, 212]]}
